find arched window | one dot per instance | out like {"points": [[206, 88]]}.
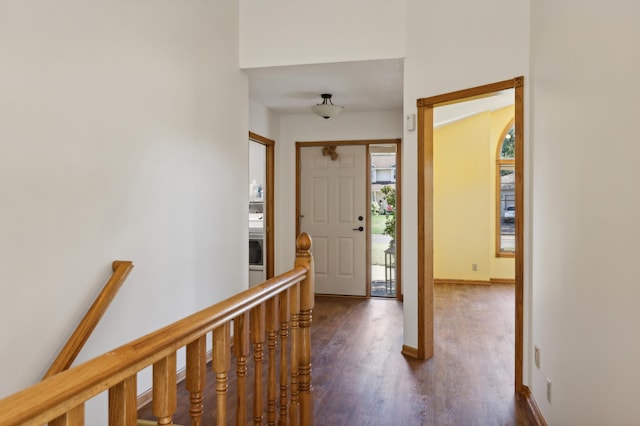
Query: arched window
{"points": [[506, 193]]}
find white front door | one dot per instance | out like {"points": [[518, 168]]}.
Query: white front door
{"points": [[333, 210]]}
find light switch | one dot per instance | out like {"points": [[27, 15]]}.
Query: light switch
{"points": [[410, 122]]}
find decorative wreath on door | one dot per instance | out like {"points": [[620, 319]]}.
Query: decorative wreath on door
{"points": [[330, 150]]}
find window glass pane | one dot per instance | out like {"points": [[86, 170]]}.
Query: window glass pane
{"points": [[383, 221], [508, 150], [507, 203]]}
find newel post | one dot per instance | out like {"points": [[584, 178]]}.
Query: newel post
{"points": [[305, 259]]}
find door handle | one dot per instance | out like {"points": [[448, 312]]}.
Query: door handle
{"points": [[360, 228]]}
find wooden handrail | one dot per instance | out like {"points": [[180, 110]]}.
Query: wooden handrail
{"points": [[71, 349], [67, 391]]}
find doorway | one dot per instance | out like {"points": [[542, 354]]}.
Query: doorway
{"points": [[426, 108], [261, 200], [334, 205]]}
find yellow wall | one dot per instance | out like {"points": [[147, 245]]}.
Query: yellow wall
{"points": [[464, 198], [499, 267]]}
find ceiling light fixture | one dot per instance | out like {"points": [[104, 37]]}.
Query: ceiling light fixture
{"points": [[326, 109]]}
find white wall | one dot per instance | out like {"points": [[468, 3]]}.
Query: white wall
{"points": [[309, 128], [287, 32], [257, 169], [263, 121], [585, 68], [124, 136], [451, 46]]}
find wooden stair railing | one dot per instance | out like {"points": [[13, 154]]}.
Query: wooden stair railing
{"points": [[71, 349], [286, 299]]}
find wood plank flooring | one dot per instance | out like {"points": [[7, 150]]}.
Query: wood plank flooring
{"points": [[361, 378]]}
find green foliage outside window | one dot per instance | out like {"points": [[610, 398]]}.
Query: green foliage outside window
{"points": [[509, 144], [390, 222]]}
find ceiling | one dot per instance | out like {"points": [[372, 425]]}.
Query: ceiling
{"points": [[357, 86], [446, 114]]}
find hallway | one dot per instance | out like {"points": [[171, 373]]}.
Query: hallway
{"points": [[361, 378]]}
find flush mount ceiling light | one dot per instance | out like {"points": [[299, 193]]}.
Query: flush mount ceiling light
{"points": [[326, 109]]}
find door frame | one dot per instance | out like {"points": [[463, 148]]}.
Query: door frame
{"points": [[425, 213], [269, 229], [366, 142]]}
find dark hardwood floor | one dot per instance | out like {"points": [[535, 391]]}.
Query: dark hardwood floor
{"points": [[361, 378]]}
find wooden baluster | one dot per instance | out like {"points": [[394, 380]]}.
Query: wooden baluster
{"points": [[284, 333], [257, 335], [221, 366], [294, 306], [123, 410], [196, 377], [241, 346], [73, 417], [272, 344], [307, 299], [164, 389]]}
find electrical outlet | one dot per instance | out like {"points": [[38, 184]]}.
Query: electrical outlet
{"points": [[549, 390], [474, 267], [536, 356]]}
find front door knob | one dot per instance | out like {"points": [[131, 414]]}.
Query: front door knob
{"points": [[360, 228]]}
